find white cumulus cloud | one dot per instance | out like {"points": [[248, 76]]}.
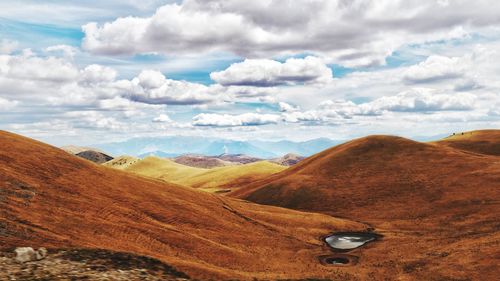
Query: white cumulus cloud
{"points": [[66, 50], [28, 67], [95, 74], [286, 107], [154, 88], [268, 73], [93, 119], [435, 68], [228, 120], [162, 118], [351, 33], [415, 100], [425, 99], [6, 104]]}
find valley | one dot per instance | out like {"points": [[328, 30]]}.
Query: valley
{"points": [[339, 214]]}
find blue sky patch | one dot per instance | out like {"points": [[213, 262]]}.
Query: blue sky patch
{"points": [[44, 34]]}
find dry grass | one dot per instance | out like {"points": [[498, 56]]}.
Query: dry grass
{"points": [[164, 169], [211, 180], [53, 199], [233, 176], [437, 205], [121, 162], [483, 141]]}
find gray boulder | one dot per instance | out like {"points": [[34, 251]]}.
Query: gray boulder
{"points": [[41, 253], [26, 254]]}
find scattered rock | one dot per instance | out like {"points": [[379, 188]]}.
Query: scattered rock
{"points": [[41, 253], [85, 264], [26, 254]]}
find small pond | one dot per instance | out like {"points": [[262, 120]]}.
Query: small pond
{"points": [[345, 241], [338, 259]]}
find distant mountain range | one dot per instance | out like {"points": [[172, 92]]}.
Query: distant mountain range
{"points": [[174, 146]]}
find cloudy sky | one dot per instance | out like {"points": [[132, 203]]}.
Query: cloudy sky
{"points": [[91, 71]]}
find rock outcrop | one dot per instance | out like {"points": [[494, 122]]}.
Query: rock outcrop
{"points": [[26, 254]]}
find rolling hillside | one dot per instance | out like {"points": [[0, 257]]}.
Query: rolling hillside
{"points": [[238, 158], [94, 156], [121, 162], [232, 176], [201, 161], [436, 205], [289, 159], [163, 169], [483, 141], [52, 199], [210, 179], [91, 154]]}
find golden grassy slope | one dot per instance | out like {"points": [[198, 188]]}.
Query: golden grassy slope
{"points": [[233, 176], [53, 199], [437, 206], [163, 169], [482, 141], [121, 162], [208, 179]]}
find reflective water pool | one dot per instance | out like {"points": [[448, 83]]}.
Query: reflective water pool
{"points": [[350, 240], [337, 260]]}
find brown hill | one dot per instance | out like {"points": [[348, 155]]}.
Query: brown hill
{"points": [[483, 141], [238, 158], [201, 161], [49, 198], [94, 156], [289, 159], [437, 206]]}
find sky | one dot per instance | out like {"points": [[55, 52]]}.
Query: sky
{"points": [[88, 71]]}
